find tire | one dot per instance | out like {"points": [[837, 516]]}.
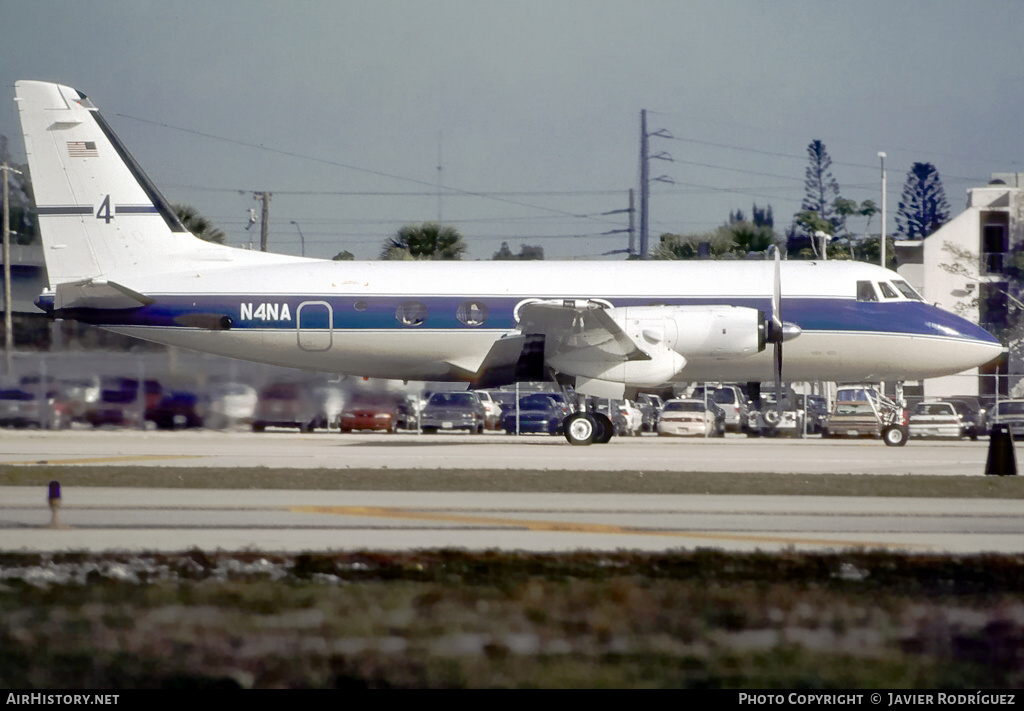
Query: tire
{"points": [[604, 428], [894, 436], [580, 429]]}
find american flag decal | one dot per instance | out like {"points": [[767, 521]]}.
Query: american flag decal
{"points": [[82, 149]]}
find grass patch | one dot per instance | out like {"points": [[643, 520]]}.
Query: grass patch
{"points": [[638, 482], [452, 619]]}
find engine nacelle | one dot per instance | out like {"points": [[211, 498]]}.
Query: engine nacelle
{"points": [[721, 332]]}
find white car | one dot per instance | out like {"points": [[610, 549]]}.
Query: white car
{"points": [[492, 410], [230, 404], [685, 417]]}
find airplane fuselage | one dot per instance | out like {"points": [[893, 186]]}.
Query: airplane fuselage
{"points": [[436, 320]]}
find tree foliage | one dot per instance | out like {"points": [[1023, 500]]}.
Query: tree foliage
{"points": [[923, 207], [821, 189], [198, 225], [23, 223], [526, 252], [426, 241], [736, 240]]}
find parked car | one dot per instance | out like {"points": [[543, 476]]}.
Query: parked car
{"points": [[285, 404], [178, 409], [537, 413], [81, 394], [771, 420], [492, 410], [816, 408], [650, 406], [731, 399], [686, 417], [864, 412], [933, 418], [119, 403], [230, 405], [971, 413], [370, 411], [1010, 413], [28, 407], [453, 411]]}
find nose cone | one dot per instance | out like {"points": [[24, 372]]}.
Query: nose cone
{"points": [[967, 345]]}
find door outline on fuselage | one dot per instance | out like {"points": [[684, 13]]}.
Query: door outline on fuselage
{"points": [[314, 339]]}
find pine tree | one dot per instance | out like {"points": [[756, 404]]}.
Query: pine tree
{"points": [[923, 206], [820, 185]]}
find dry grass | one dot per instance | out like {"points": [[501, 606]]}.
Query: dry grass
{"points": [[456, 619]]}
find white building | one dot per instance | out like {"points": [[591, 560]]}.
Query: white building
{"points": [[961, 267]]}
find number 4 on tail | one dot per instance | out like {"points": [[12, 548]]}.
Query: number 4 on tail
{"points": [[105, 212]]}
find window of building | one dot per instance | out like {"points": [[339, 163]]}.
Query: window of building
{"points": [[472, 313], [866, 291], [411, 313]]}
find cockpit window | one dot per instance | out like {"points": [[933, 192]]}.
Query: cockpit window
{"points": [[887, 291], [907, 290], [866, 291]]}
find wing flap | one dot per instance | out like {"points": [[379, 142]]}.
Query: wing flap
{"points": [[580, 324]]}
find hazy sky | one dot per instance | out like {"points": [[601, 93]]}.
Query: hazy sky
{"points": [[345, 110]]}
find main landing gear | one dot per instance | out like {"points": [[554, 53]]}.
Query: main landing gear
{"points": [[582, 428]]}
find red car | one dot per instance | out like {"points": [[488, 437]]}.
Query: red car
{"points": [[370, 412]]}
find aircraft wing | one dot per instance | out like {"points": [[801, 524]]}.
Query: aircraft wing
{"points": [[580, 324]]}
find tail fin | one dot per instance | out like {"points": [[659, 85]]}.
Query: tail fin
{"points": [[100, 216]]}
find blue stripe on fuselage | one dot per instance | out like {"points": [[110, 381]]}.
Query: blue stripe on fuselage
{"points": [[379, 313]]}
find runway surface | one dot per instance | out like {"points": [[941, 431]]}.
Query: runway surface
{"points": [[96, 519], [288, 449], [103, 518]]}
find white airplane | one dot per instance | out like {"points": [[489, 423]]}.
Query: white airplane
{"points": [[117, 257]]}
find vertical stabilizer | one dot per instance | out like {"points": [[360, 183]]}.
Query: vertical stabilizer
{"points": [[99, 214]]}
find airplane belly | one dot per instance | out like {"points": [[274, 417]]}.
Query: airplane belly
{"points": [[399, 355]]}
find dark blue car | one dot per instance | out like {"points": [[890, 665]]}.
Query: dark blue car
{"points": [[538, 413]]}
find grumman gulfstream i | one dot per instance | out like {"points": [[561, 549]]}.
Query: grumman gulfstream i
{"points": [[118, 257]]}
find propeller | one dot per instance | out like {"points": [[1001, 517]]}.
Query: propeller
{"points": [[776, 330]]}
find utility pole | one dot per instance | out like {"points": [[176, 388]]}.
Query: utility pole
{"points": [[264, 220], [8, 322], [881, 242], [645, 180]]}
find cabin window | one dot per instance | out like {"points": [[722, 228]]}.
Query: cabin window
{"points": [[411, 313], [866, 291], [887, 291], [359, 306], [472, 313], [907, 290]]}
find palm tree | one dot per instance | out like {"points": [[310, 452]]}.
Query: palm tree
{"points": [[198, 225], [427, 241]]}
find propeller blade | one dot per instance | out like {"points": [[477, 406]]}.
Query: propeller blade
{"points": [[777, 328], [777, 295]]}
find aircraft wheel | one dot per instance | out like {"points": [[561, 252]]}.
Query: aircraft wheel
{"points": [[580, 429], [604, 429], [895, 436]]}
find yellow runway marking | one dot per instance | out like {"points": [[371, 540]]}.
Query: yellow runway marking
{"points": [[105, 460], [411, 514]]}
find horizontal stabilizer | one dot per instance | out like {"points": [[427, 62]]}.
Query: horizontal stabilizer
{"points": [[98, 294]]}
